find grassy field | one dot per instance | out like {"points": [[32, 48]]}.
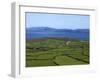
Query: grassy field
{"points": [[56, 52]]}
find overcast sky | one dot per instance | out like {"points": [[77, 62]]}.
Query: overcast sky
{"points": [[59, 21]]}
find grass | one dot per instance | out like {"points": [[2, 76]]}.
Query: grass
{"points": [[55, 51], [65, 60]]}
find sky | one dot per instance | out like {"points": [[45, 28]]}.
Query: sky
{"points": [[58, 21]]}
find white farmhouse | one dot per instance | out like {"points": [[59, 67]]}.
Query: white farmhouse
{"points": [[68, 42]]}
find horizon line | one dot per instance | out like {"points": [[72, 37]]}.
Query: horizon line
{"points": [[54, 28]]}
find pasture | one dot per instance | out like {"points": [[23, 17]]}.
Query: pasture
{"points": [[56, 52]]}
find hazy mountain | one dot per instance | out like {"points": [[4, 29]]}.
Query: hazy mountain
{"points": [[39, 29], [41, 32]]}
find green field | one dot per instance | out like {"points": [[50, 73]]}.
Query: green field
{"points": [[56, 52]]}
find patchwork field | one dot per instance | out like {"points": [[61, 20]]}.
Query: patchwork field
{"points": [[56, 52]]}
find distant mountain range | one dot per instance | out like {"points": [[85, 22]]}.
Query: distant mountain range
{"points": [[43, 32]]}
